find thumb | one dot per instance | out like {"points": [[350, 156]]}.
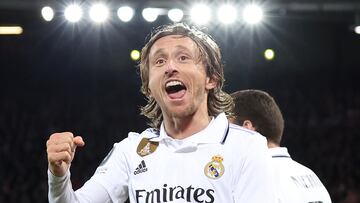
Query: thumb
{"points": [[78, 141]]}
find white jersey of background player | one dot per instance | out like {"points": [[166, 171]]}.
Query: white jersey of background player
{"points": [[191, 154], [258, 111]]}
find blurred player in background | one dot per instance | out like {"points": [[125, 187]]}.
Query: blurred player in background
{"points": [[258, 111], [191, 153]]}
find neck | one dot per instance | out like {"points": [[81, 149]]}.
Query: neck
{"points": [[181, 128], [272, 145]]}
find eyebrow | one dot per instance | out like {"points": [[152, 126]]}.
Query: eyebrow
{"points": [[160, 51]]}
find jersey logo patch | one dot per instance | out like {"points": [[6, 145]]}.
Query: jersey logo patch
{"points": [[146, 147], [141, 168], [214, 169]]}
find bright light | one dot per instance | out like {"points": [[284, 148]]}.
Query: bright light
{"points": [[200, 14], [150, 14], [47, 13], [227, 14], [125, 13], [357, 29], [252, 14], [73, 13], [135, 55], [175, 14], [269, 54], [11, 30], [99, 13]]}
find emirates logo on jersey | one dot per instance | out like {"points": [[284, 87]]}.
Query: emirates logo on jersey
{"points": [[214, 169], [175, 194]]}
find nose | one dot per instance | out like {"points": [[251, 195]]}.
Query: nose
{"points": [[171, 68]]}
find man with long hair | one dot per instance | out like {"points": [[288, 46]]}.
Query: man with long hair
{"points": [[191, 153]]}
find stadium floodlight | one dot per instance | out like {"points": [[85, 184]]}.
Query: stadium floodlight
{"points": [[227, 14], [135, 55], [175, 14], [73, 13], [125, 13], [150, 14], [357, 24], [269, 54], [357, 29], [11, 30], [47, 13], [252, 14], [200, 14], [99, 13]]}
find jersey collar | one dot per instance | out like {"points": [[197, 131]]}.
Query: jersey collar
{"points": [[279, 152], [215, 132]]}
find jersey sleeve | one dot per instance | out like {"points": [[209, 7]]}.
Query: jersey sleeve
{"points": [[60, 191], [113, 174], [108, 184], [253, 181]]}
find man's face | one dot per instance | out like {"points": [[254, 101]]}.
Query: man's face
{"points": [[177, 78]]}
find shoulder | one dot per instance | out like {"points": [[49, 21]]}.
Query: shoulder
{"points": [[302, 168], [240, 135], [244, 144], [292, 167], [128, 147], [134, 138], [239, 129]]}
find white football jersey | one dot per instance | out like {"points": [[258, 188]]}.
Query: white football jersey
{"points": [[223, 163], [296, 183]]}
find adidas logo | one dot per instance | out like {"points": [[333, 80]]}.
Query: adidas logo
{"points": [[141, 168]]}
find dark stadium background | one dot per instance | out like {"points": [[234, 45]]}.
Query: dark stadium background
{"points": [[59, 77]]}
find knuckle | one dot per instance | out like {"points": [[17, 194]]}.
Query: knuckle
{"points": [[68, 147], [69, 134], [51, 158], [66, 155], [53, 136], [61, 135], [49, 149]]}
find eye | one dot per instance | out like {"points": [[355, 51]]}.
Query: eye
{"points": [[160, 61], [183, 57]]}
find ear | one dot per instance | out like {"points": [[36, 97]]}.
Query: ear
{"points": [[210, 83], [248, 124]]}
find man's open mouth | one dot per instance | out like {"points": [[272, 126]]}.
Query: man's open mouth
{"points": [[175, 89]]}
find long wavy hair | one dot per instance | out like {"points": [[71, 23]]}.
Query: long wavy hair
{"points": [[210, 55]]}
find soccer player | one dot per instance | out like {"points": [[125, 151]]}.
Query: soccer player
{"points": [[258, 111], [191, 153]]}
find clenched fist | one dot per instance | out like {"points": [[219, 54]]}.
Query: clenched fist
{"points": [[61, 150]]}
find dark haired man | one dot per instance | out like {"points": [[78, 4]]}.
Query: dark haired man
{"points": [[258, 111]]}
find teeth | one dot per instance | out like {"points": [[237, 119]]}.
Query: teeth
{"points": [[173, 83]]}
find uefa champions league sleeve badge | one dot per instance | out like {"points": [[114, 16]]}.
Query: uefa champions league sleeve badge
{"points": [[214, 169], [146, 147]]}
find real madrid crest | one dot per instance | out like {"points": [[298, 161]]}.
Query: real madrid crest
{"points": [[214, 169], [146, 147]]}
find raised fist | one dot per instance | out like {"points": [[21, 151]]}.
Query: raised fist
{"points": [[61, 150]]}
